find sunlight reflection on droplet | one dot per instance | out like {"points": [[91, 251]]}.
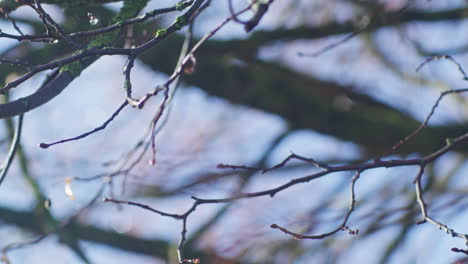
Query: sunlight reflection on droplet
{"points": [[68, 189], [93, 20], [47, 203]]}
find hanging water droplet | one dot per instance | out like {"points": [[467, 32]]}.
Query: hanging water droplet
{"points": [[55, 41], [93, 20], [47, 203], [68, 189]]}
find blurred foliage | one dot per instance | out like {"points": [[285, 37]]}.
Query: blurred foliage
{"points": [[235, 69]]}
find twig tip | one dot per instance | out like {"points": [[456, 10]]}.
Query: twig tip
{"points": [[44, 145]]}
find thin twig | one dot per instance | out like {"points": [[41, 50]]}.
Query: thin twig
{"points": [[424, 213], [446, 57], [359, 168], [342, 227], [330, 46], [425, 123], [46, 17], [101, 127]]}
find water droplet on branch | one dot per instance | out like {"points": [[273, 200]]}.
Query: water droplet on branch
{"points": [[93, 20], [68, 189]]}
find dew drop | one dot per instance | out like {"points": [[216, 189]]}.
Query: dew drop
{"points": [[93, 20], [68, 188], [47, 203]]}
